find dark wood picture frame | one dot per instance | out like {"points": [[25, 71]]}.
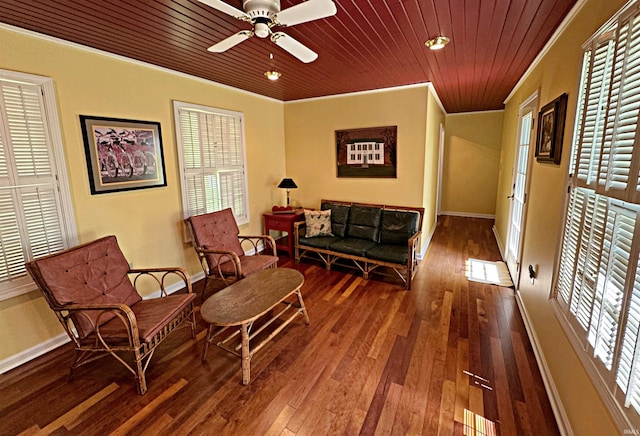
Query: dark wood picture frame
{"points": [[550, 132], [367, 152], [122, 154]]}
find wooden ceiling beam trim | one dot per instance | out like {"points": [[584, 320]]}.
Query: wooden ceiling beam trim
{"points": [[449, 56], [539, 29], [412, 19], [368, 44], [190, 23], [400, 47], [484, 41], [368, 51], [389, 55], [514, 46], [498, 20]]}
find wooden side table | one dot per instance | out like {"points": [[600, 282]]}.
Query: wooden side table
{"points": [[283, 222]]}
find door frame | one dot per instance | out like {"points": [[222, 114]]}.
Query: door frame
{"points": [[529, 104], [440, 164]]}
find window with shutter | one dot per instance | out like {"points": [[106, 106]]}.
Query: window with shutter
{"points": [[212, 160], [35, 208], [598, 278], [593, 113]]}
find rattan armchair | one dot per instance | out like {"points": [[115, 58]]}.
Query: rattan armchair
{"points": [[221, 249], [90, 290]]}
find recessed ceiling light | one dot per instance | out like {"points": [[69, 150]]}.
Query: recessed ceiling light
{"points": [[272, 75], [437, 43]]}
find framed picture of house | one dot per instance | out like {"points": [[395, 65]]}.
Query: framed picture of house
{"points": [[551, 130], [122, 154], [367, 152]]}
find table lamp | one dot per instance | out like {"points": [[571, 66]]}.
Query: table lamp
{"points": [[287, 184]]}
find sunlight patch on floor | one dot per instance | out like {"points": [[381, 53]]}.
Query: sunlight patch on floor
{"points": [[476, 425], [485, 271]]}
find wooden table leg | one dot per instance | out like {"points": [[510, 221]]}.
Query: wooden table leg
{"points": [[246, 355], [207, 341], [303, 309]]}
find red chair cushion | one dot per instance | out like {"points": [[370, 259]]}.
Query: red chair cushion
{"points": [[92, 273], [151, 315], [249, 264], [217, 231]]}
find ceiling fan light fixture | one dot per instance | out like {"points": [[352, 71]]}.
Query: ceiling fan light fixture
{"points": [[261, 29], [272, 75], [437, 43]]}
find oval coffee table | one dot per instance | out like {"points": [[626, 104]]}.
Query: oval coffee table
{"points": [[246, 300]]}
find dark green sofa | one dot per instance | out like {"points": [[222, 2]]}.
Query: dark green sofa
{"points": [[369, 235]]}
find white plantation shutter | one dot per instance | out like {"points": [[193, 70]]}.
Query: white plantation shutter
{"points": [[34, 213], [593, 113], [628, 376], [598, 280], [612, 277], [588, 256], [570, 243], [622, 121], [212, 157], [577, 133]]}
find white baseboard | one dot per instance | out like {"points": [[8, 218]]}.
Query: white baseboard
{"points": [[554, 397], [29, 354], [499, 242], [468, 214], [25, 356], [427, 241]]}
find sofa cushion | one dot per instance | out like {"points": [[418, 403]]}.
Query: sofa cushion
{"points": [[398, 226], [339, 217], [389, 253], [354, 246], [364, 222], [319, 241], [317, 223]]}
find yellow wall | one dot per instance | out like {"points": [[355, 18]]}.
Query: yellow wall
{"points": [[558, 72], [471, 160], [435, 118], [310, 127], [93, 84], [147, 222]]}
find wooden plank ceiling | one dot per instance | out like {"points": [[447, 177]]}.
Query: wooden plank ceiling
{"points": [[368, 44]]}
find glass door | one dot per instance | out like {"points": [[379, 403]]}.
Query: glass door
{"points": [[518, 195]]}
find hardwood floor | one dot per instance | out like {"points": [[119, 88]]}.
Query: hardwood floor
{"points": [[376, 359]]}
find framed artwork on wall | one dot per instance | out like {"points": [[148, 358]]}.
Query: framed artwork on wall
{"points": [[367, 152], [122, 154], [551, 130]]}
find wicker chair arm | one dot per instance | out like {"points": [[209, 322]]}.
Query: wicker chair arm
{"points": [[115, 306], [160, 274], [231, 255], [121, 311], [267, 240]]}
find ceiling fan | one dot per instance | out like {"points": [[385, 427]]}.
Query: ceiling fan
{"points": [[265, 14]]}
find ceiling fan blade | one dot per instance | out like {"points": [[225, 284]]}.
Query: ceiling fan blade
{"points": [[297, 49], [226, 8], [305, 11], [231, 41]]}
